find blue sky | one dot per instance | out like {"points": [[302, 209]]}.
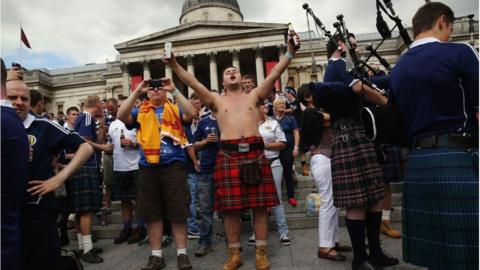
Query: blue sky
{"points": [[72, 33]]}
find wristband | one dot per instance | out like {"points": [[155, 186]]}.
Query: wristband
{"points": [[289, 55], [175, 93], [295, 147]]}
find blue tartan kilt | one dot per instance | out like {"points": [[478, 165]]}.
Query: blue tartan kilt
{"points": [[84, 193], [440, 209]]}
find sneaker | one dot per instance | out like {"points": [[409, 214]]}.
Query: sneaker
{"points": [[124, 235], [91, 257], [284, 240], [193, 235], [183, 263], [155, 263], [138, 235], [389, 231], [251, 240], [202, 250], [293, 202], [167, 241]]}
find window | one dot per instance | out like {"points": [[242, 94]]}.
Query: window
{"points": [[206, 16], [59, 107]]}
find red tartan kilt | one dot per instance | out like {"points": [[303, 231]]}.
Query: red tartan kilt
{"points": [[230, 193]]}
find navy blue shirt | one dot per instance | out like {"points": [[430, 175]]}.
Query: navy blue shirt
{"points": [[169, 152], [208, 155], [15, 151], [337, 72], [188, 161], [436, 87], [85, 126], [288, 124], [46, 139]]}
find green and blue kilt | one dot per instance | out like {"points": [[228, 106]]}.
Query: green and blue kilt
{"points": [[84, 193], [440, 209], [357, 177]]}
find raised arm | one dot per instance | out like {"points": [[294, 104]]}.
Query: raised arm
{"points": [[188, 111], [263, 90], [124, 112], [206, 97]]}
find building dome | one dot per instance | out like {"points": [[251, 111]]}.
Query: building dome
{"points": [[210, 10]]}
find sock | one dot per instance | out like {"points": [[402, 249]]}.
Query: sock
{"points": [[181, 251], [157, 252], [303, 163], [87, 243], [127, 224], [261, 243], [386, 215], [80, 241], [140, 223], [373, 220], [71, 217], [234, 245], [356, 230]]}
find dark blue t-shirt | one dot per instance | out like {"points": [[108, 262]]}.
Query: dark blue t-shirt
{"points": [[46, 139], [188, 161], [208, 155], [85, 127], [168, 151], [288, 124], [436, 87], [337, 72], [15, 151]]}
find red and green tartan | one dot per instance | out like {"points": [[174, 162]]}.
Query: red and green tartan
{"points": [[230, 193]]}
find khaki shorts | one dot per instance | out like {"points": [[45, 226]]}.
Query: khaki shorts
{"points": [[163, 193]]}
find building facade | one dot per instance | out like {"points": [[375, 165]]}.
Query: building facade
{"points": [[211, 36]]}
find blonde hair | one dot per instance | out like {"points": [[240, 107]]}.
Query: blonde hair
{"points": [[278, 101], [91, 101]]}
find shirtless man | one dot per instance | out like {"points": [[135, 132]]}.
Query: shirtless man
{"points": [[238, 117]]}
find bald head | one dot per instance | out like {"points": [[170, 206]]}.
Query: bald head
{"points": [[19, 95]]}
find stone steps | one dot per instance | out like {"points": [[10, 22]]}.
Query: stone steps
{"points": [[297, 220]]}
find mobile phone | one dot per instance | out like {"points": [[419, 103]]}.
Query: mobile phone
{"points": [[294, 43], [213, 131], [155, 83], [168, 50]]}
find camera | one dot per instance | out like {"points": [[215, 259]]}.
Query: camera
{"points": [[14, 64], [155, 83]]}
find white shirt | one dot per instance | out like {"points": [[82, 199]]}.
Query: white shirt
{"points": [[272, 132], [124, 159]]}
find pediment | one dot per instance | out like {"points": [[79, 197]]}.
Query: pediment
{"points": [[198, 31]]}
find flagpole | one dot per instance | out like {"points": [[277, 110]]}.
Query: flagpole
{"points": [[20, 45]]}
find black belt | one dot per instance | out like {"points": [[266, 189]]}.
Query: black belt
{"points": [[271, 160], [454, 140], [234, 147]]}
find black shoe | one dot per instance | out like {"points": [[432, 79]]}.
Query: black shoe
{"points": [[125, 234], [202, 250], [383, 260], [365, 266], [155, 263], [138, 235], [91, 257], [95, 250], [183, 263]]}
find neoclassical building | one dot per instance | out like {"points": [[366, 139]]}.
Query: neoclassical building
{"points": [[211, 35]]}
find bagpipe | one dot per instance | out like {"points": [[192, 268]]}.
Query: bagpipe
{"points": [[381, 123]]}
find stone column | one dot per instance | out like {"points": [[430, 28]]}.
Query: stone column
{"points": [[213, 71], [259, 65], [236, 59], [125, 80], [146, 70], [284, 77], [168, 72], [190, 69], [302, 74]]}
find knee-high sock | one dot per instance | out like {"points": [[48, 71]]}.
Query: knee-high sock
{"points": [[356, 230], [373, 220]]}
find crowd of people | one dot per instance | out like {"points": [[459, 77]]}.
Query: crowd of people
{"points": [[174, 162]]}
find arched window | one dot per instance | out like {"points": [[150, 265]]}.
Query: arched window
{"points": [[206, 16]]}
